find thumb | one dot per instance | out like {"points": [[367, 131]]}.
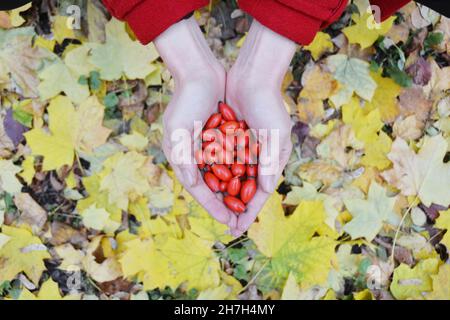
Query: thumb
{"points": [[189, 174], [269, 175], [268, 166]]}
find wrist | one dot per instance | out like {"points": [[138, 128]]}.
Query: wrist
{"points": [[265, 56], [185, 52]]}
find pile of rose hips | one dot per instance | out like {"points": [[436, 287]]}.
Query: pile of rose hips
{"points": [[228, 158]]}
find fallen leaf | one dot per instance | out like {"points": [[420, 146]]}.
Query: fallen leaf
{"points": [[22, 253], [32, 213], [422, 174], [370, 215]]}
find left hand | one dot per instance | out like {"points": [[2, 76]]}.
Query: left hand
{"points": [[254, 91]]}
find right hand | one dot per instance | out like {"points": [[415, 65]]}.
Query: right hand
{"points": [[254, 90], [199, 86]]}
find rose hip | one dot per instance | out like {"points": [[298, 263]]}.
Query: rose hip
{"points": [[243, 125], [238, 169], [222, 172], [228, 159], [234, 204], [252, 171], [223, 186], [229, 127], [248, 190], [212, 181], [212, 135], [214, 121], [234, 186], [226, 111]]}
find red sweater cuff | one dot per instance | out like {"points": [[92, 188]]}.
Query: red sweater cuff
{"points": [[149, 18], [299, 26], [388, 8]]}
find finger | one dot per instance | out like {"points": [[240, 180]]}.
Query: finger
{"points": [[269, 164], [209, 201], [236, 232], [269, 181], [246, 219], [233, 222], [188, 172]]}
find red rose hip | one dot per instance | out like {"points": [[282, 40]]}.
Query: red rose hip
{"points": [[234, 204], [222, 172], [213, 121], [248, 190], [252, 171], [238, 169], [223, 186], [212, 182], [230, 126], [226, 111], [234, 186]]}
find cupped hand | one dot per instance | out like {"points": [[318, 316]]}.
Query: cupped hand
{"points": [[199, 86], [254, 90]]}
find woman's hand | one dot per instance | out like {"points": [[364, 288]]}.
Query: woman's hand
{"points": [[254, 90], [200, 85]]}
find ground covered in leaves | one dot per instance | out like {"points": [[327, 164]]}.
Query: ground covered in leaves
{"points": [[89, 208]]}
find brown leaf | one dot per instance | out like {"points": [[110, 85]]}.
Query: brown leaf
{"points": [[420, 71], [409, 128], [414, 102], [31, 212], [63, 233]]}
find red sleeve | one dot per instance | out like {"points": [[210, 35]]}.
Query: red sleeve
{"points": [[300, 20], [388, 8], [149, 18]]}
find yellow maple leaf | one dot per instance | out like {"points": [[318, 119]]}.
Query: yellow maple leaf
{"points": [[16, 19], [48, 291], [413, 283], [366, 31], [57, 78], [121, 56], [28, 169], [322, 43], [290, 244], [62, 28], [140, 257], [376, 152], [71, 130], [124, 178], [385, 97], [99, 219], [441, 288], [22, 252], [365, 122], [192, 260], [98, 199], [204, 226]]}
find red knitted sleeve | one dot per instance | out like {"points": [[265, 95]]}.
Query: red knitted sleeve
{"points": [[149, 18], [300, 20]]}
